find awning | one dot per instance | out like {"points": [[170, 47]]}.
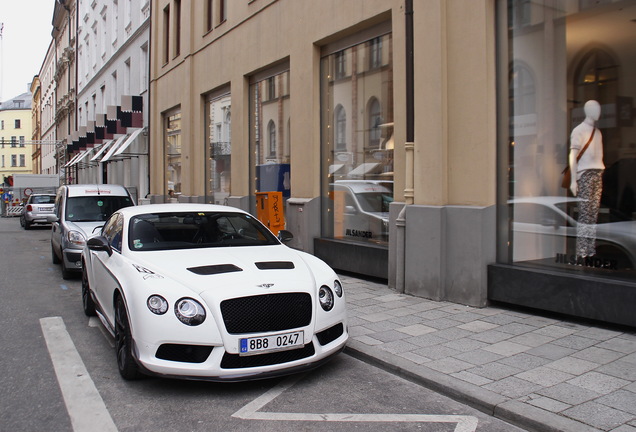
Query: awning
{"points": [[114, 147], [72, 161], [334, 168], [102, 149], [81, 156], [128, 142]]}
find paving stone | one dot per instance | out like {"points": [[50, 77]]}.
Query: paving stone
{"points": [[397, 347], [406, 320], [471, 378], [478, 326], [572, 365], [598, 355], [415, 358], [416, 330], [502, 319], [436, 352], [433, 314], [575, 342], [381, 326], [465, 344], [358, 331], [539, 321], [598, 382], [551, 351], [479, 357], [427, 340], [491, 336], [630, 359], [620, 369], [548, 404], [624, 428], [555, 331], [531, 339], [467, 317], [494, 371], [452, 333], [390, 336], [597, 333], [400, 312], [368, 340], [620, 399], [620, 344], [506, 348], [516, 328], [442, 323], [569, 394], [512, 387], [524, 361], [545, 376], [449, 365], [598, 415], [376, 317]]}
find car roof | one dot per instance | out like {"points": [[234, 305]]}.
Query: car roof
{"points": [[95, 189], [177, 207]]}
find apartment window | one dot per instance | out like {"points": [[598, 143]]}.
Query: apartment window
{"points": [[375, 53], [143, 69], [222, 10], [127, 77], [209, 15], [22, 160], [22, 141], [14, 160], [341, 64], [14, 141], [2, 124], [18, 124], [3, 158], [177, 28], [166, 34]]}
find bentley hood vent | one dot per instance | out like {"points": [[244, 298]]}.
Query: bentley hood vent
{"points": [[275, 265], [215, 269]]}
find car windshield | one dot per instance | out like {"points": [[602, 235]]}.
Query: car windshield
{"points": [[94, 208], [43, 199], [186, 230], [374, 201]]}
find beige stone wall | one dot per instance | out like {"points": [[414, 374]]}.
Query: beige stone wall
{"points": [[455, 156]]}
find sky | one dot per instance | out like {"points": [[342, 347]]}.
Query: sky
{"points": [[26, 36]]}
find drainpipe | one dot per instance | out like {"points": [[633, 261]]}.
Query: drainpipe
{"points": [[409, 148]]}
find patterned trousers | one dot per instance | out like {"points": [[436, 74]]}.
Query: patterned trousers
{"points": [[590, 186]]}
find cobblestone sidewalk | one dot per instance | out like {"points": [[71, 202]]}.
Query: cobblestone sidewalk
{"points": [[539, 373]]}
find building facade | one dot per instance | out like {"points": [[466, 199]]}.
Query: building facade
{"points": [[15, 136], [49, 144], [110, 143], [413, 141]]}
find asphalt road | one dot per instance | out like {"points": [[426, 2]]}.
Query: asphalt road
{"points": [[58, 373]]}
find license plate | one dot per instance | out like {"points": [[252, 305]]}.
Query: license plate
{"points": [[280, 342], [45, 209]]}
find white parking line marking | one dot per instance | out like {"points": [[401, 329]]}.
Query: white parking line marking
{"points": [[84, 404], [251, 412]]}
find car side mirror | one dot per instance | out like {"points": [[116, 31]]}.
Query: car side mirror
{"points": [[285, 236], [99, 244]]}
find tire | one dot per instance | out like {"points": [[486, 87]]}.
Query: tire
{"points": [[66, 273], [22, 221], [27, 225], [54, 257], [128, 368], [87, 301]]}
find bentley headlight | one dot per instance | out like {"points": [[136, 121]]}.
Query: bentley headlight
{"points": [[337, 287], [189, 311], [76, 238], [325, 297], [157, 304]]}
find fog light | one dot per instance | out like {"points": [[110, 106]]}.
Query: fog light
{"points": [[325, 297]]}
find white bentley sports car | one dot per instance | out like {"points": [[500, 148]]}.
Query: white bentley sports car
{"points": [[202, 291]]}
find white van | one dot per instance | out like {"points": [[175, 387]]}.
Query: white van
{"points": [[80, 211]]}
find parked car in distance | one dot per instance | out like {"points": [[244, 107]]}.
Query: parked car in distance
{"points": [[38, 209], [202, 291], [364, 208], [80, 210]]}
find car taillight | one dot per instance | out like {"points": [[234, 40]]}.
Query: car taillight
{"points": [[29, 207]]}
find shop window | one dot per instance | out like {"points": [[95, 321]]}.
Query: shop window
{"points": [[357, 142], [569, 84], [219, 147], [270, 118]]}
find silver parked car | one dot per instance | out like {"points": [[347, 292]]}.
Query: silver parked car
{"points": [[81, 211], [39, 209]]}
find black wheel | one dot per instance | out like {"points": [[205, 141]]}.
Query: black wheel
{"points": [[87, 300], [54, 257], [128, 368], [27, 225], [66, 273], [22, 221]]}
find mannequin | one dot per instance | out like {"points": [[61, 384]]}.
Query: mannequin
{"points": [[587, 177]]}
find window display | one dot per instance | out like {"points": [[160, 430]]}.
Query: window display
{"points": [[173, 154], [357, 141], [570, 93], [218, 148]]}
